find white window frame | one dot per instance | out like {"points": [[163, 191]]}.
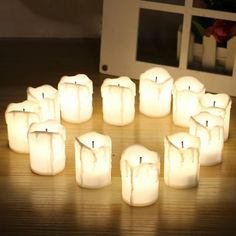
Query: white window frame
{"points": [[119, 42]]}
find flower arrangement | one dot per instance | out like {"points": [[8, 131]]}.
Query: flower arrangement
{"points": [[222, 30]]}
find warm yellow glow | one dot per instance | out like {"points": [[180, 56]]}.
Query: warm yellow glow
{"points": [[47, 147], [118, 100], [76, 99], [181, 167], [209, 128], [155, 86], [47, 98], [186, 93], [93, 160], [223, 101], [140, 169], [19, 117]]}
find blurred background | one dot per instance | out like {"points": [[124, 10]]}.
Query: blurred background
{"points": [[50, 18]]}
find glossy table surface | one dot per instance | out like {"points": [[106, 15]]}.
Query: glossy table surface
{"points": [[38, 205]]}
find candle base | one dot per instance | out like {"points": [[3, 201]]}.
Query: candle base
{"points": [[93, 187], [182, 187], [75, 121], [150, 115], [210, 163], [46, 173], [18, 150], [116, 123], [141, 204]]}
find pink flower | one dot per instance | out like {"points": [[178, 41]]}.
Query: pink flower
{"points": [[222, 30]]}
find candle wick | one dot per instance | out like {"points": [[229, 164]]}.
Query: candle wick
{"points": [[140, 160], [188, 87], [46, 130], [182, 144], [118, 85], [24, 109], [75, 82], [43, 95], [206, 123], [214, 103], [92, 144], [156, 79]]}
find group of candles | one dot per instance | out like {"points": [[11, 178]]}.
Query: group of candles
{"points": [[34, 127]]}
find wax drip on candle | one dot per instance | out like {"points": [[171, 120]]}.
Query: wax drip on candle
{"points": [[81, 166], [132, 186], [206, 123], [51, 154], [43, 95], [156, 79], [92, 144], [214, 103], [182, 144], [140, 160], [122, 107]]}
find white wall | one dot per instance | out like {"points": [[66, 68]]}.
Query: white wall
{"points": [[50, 18]]}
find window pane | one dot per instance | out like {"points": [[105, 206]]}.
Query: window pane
{"points": [[157, 37], [220, 5], [213, 53]]}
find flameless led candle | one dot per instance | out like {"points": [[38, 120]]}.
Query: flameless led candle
{"points": [[209, 128], [181, 167], [47, 147], [155, 86], [93, 160], [209, 101], [76, 97], [19, 117], [186, 93], [118, 100], [140, 169], [48, 99]]}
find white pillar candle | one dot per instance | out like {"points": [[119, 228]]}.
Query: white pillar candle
{"points": [[210, 101], [19, 117], [140, 169], [93, 160], [76, 97], [118, 100], [186, 93], [48, 99], [155, 86], [47, 147], [209, 128], [181, 167]]}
